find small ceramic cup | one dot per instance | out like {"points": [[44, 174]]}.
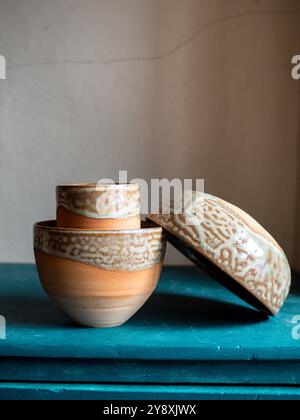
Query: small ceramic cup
{"points": [[100, 279], [98, 206]]}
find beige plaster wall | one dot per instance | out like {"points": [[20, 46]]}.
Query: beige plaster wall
{"points": [[161, 88]]}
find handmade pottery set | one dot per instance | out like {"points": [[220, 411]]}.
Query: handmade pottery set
{"points": [[97, 261], [100, 263]]}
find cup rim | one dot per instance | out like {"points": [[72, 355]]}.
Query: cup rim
{"points": [[147, 227], [94, 185]]}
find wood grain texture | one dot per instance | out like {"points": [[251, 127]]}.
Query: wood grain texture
{"points": [[69, 370], [47, 391]]}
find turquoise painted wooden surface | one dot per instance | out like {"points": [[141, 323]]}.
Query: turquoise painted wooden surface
{"points": [[190, 318], [25, 391], [191, 331], [167, 372]]}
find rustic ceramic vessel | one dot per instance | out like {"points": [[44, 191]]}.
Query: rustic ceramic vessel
{"points": [[100, 279], [98, 207], [232, 246]]}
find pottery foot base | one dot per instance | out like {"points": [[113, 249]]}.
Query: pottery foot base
{"points": [[101, 312]]}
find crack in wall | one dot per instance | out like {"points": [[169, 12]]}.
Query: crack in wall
{"points": [[161, 56]]}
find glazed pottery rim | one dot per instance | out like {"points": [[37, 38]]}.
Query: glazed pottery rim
{"points": [[268, 308], [98, 187], [147, 227], [264, 306]]}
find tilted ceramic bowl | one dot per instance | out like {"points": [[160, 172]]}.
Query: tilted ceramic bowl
{"points": [[232, 246], [100, 279], [98, 206]]}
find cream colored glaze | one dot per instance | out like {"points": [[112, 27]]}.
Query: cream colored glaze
{"points": [[92, 296], [251, 222], [116, 201], [237, 244], [128, 250]]}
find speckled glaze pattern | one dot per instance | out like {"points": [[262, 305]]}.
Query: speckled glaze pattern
{"points": [[100, 201], [121, 251], [237, 244]]}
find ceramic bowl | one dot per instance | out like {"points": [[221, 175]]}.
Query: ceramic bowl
{"points": [[98, 207], [100, 279], [232, 246]]}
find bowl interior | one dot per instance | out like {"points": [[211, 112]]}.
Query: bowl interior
{"points": [[146, 226]]}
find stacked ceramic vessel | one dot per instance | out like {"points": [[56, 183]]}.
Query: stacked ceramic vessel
{"points": [[98, 261], [100, 264]]}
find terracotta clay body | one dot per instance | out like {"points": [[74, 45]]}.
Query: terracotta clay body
{"points": [[100, 279], [98, 207]]}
